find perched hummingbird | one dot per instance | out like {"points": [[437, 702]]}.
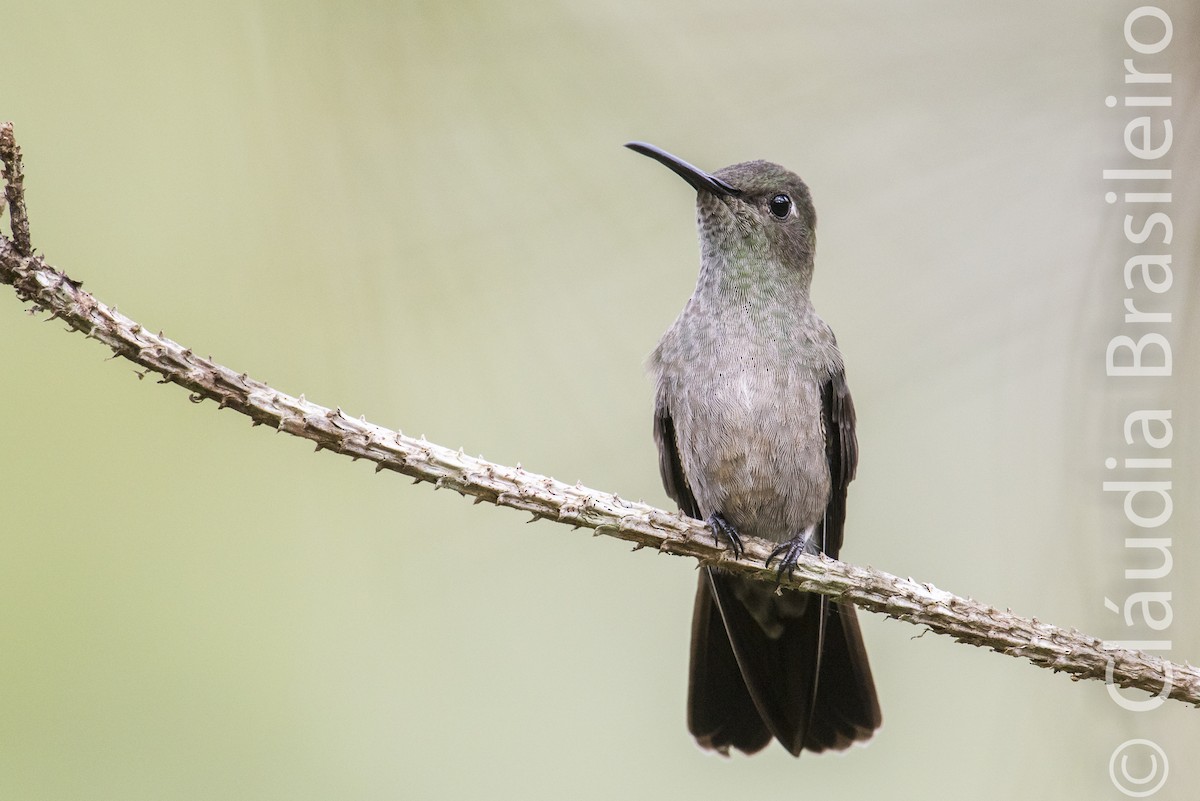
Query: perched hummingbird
{"points": [[755, 433]]}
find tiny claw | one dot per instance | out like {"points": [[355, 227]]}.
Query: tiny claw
{"points": [[722, 528], [789, 553]]}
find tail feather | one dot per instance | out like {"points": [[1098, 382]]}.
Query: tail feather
{"points": [[792, 666], [847, 708], [721, 713]]}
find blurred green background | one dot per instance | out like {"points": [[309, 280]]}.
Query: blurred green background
{"points": [[421, 212]]}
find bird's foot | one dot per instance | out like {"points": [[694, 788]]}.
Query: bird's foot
{"points": [[789, 552], [722, 528]]}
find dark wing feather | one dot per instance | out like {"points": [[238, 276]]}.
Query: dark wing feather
{"points": [[841, 450], [669, 465]]}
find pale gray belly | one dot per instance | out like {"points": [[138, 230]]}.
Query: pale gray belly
{"points": [[753, 449]]}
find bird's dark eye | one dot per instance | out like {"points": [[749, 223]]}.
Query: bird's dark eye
{"points": [[781, 206]]}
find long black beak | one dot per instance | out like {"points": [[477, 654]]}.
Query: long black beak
{"points": [[698, 178]]}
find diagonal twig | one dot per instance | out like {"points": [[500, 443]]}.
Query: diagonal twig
{"points": [[964, 619]]}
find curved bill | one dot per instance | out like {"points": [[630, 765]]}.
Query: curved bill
{"points": [[698, 178]]}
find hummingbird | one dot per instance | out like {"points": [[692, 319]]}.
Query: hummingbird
{"points": [[755, 432]]}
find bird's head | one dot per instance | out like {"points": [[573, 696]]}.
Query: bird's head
{"points": [[755, 216]]}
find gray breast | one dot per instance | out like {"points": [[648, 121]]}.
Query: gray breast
{"points": [[749, 428]]}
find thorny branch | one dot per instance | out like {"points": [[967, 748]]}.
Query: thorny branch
{"points": [[964, 619]]}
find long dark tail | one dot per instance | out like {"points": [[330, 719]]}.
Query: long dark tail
{"points": [[790, 666]]}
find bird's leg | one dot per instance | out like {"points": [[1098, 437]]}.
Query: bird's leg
{"points": [[789, 552], [722, 528]]}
